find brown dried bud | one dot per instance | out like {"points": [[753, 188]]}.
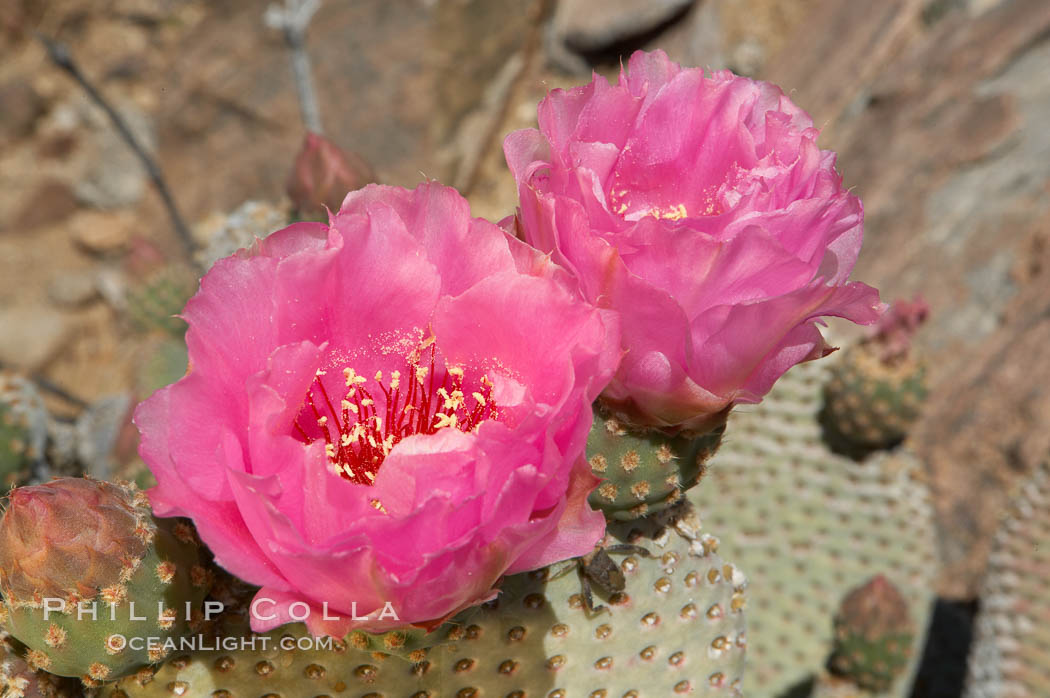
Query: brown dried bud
{"points": [[322, 176], [68, 538]]}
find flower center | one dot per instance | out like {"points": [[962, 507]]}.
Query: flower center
{"points": [[368, 422]]}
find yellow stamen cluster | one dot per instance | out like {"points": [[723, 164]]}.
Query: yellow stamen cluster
{"points": [[368, 423]]}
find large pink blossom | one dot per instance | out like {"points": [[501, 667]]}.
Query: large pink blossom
{"points": [[703, 211], [389, 408]]}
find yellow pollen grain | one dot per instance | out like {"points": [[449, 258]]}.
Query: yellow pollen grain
{"points": [[379, 376], [479, 398], [352, 378], [675, 213], [322, 421], [456, 371], [329, 450], [367, 402]]}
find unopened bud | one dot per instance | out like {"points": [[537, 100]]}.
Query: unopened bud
{"points": [[322, 176]]}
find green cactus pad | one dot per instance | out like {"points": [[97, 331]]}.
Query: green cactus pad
{"points": [[154, 303], [149, 602], [1010, 655], [14, 446], [161, 362], [23, 429], [677, 628], [870, 404], [643, 472], [807, 525]]}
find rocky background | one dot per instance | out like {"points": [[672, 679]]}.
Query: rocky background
{"points": [[939, 110]]}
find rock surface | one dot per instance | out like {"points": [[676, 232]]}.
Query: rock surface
{"points": [[32, 335], [591, 26]]}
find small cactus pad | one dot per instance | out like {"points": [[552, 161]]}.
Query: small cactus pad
{"points": [[870, 403], [676, 628], [807, 525], [1010, 655], [23, 429], [643, 472], [162, 361], [102, 598], [873, 635], [154, 303]]}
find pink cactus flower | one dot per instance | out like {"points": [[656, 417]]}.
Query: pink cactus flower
{"points": [[383, 415], [703, 211]]}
